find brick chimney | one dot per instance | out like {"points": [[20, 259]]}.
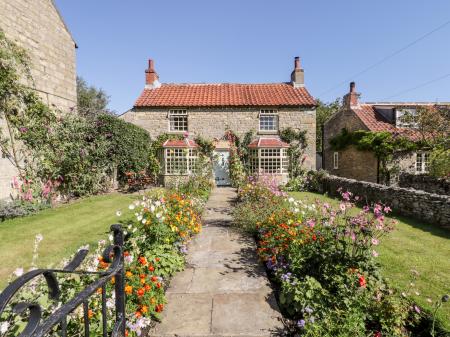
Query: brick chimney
{"points": [[151, 77], [350, 100], [297, 76]]}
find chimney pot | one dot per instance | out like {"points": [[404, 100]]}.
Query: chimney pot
{"points": [[352, 86], [151, 77], [297, 62]]}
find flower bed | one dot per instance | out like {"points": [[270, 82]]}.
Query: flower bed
{"points": [[323, 263], [155, 244]]}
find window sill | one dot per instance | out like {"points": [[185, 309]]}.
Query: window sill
{"points": [[268, 132]]}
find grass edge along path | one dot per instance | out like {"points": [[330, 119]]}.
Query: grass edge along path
{"points": [[412, 245], [64, 229]]}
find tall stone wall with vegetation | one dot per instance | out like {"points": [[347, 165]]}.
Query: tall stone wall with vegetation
{"points": [[429, 207], [425, 183]]}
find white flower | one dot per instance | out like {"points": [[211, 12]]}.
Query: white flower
{"points": [[132, 206], [136, 202], [296, 210], [158, 203], [18, 272], [129, 227], [39, 238], [4, 327], [118, 213], [291, 200], [144, 221], [134, 229], [152, 208], [158, 215], [139, 218]]}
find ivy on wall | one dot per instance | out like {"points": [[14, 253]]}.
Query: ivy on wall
{"points": [[298, 143], [384, 145]]}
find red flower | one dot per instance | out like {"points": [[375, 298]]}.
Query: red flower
{"points": [[151, 268], [141, 292], [142, 260], [362, 281]]}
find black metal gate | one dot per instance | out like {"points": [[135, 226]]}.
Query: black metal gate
{"points": [[37, 326]]}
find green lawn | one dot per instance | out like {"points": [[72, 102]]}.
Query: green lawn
{"points": [[412, 245], [64, 229]]}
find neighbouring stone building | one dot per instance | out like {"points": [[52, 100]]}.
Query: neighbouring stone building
{"points": [[209, 109], [363, 165], [37, 26]]}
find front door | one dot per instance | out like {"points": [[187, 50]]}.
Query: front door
{"points": [[221, 167]]}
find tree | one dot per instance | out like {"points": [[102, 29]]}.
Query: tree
{"points": [[92, 101], [323, 112]]}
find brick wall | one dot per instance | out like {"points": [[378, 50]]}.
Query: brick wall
{"points": [[429, 207], [36, 26], [212, 122]]}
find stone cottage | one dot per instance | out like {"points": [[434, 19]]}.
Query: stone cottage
{"points": [[209, 109], [363, 165], [37, 26]]}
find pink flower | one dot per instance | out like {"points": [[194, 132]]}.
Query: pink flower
{"points": [[342, 206], [346, 196], [375, 241], [387, 209], [311, 223], [374, 253]]}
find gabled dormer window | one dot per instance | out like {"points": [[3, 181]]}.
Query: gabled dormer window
{"points": [[268, 121], [178, 120]]}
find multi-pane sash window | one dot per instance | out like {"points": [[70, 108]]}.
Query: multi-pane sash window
{"points": [[268, 160], [178, 120], [180, 161], [268, 120], [422, 162]]}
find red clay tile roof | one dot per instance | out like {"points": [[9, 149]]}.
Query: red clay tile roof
{"points": [[197, 95], [262, 142], [183, 143], [376, 122]]}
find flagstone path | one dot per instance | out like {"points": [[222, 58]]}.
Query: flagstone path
{"points": [[224, 290]]}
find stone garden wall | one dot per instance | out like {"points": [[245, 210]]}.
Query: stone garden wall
{"points": [[429, 207], [425, 183]]}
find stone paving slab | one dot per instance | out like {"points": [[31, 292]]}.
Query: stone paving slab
{"points": [[224, 290]]}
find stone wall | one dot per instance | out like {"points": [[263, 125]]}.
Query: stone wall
{"points": [[354, 164], [36, 26], [212, 122], [429, 207], [425, 183]]}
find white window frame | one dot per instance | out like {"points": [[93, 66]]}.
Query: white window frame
{"points": [[276, 159], [268, 113], [422, 162], [178, 126], [179, 161], [336, 160]]}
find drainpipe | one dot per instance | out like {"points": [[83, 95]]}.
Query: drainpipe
{"points": [[323, 146], [378, 170]]}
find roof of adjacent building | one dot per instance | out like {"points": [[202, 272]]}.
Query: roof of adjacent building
{"points": [[374, 121], [226, 94], [180, 143], [268, 142]]}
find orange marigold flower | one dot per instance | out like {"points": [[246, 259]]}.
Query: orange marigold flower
{"points": [[128, 289], [90, 313], [126, 253], [152, 300], [151, 268], [142, 280], [158, 285], [128, 274], [147, 287], [159, 307], [142, 260], [142, 276], [113, 280], [126, 333], [154, 279], [138, 314], [157, 259], [141, 292], [144, 309]]}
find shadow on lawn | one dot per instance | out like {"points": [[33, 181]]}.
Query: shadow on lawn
{"points": [[423, 226]]}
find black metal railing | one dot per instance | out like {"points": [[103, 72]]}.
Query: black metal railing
{"points": [[37, 326]]}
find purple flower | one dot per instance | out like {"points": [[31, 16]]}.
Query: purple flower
{"points": [[417, 309], [23, 129], [285, 277], [301, 323]]}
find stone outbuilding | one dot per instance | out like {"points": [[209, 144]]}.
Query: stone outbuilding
{"points": [[386, 116], [38, 27], [208, 110]]}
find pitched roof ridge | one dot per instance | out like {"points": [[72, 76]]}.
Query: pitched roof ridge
{"points": [[225, 83]]}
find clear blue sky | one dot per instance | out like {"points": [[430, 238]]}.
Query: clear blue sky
{"points": [[256, 41]]}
